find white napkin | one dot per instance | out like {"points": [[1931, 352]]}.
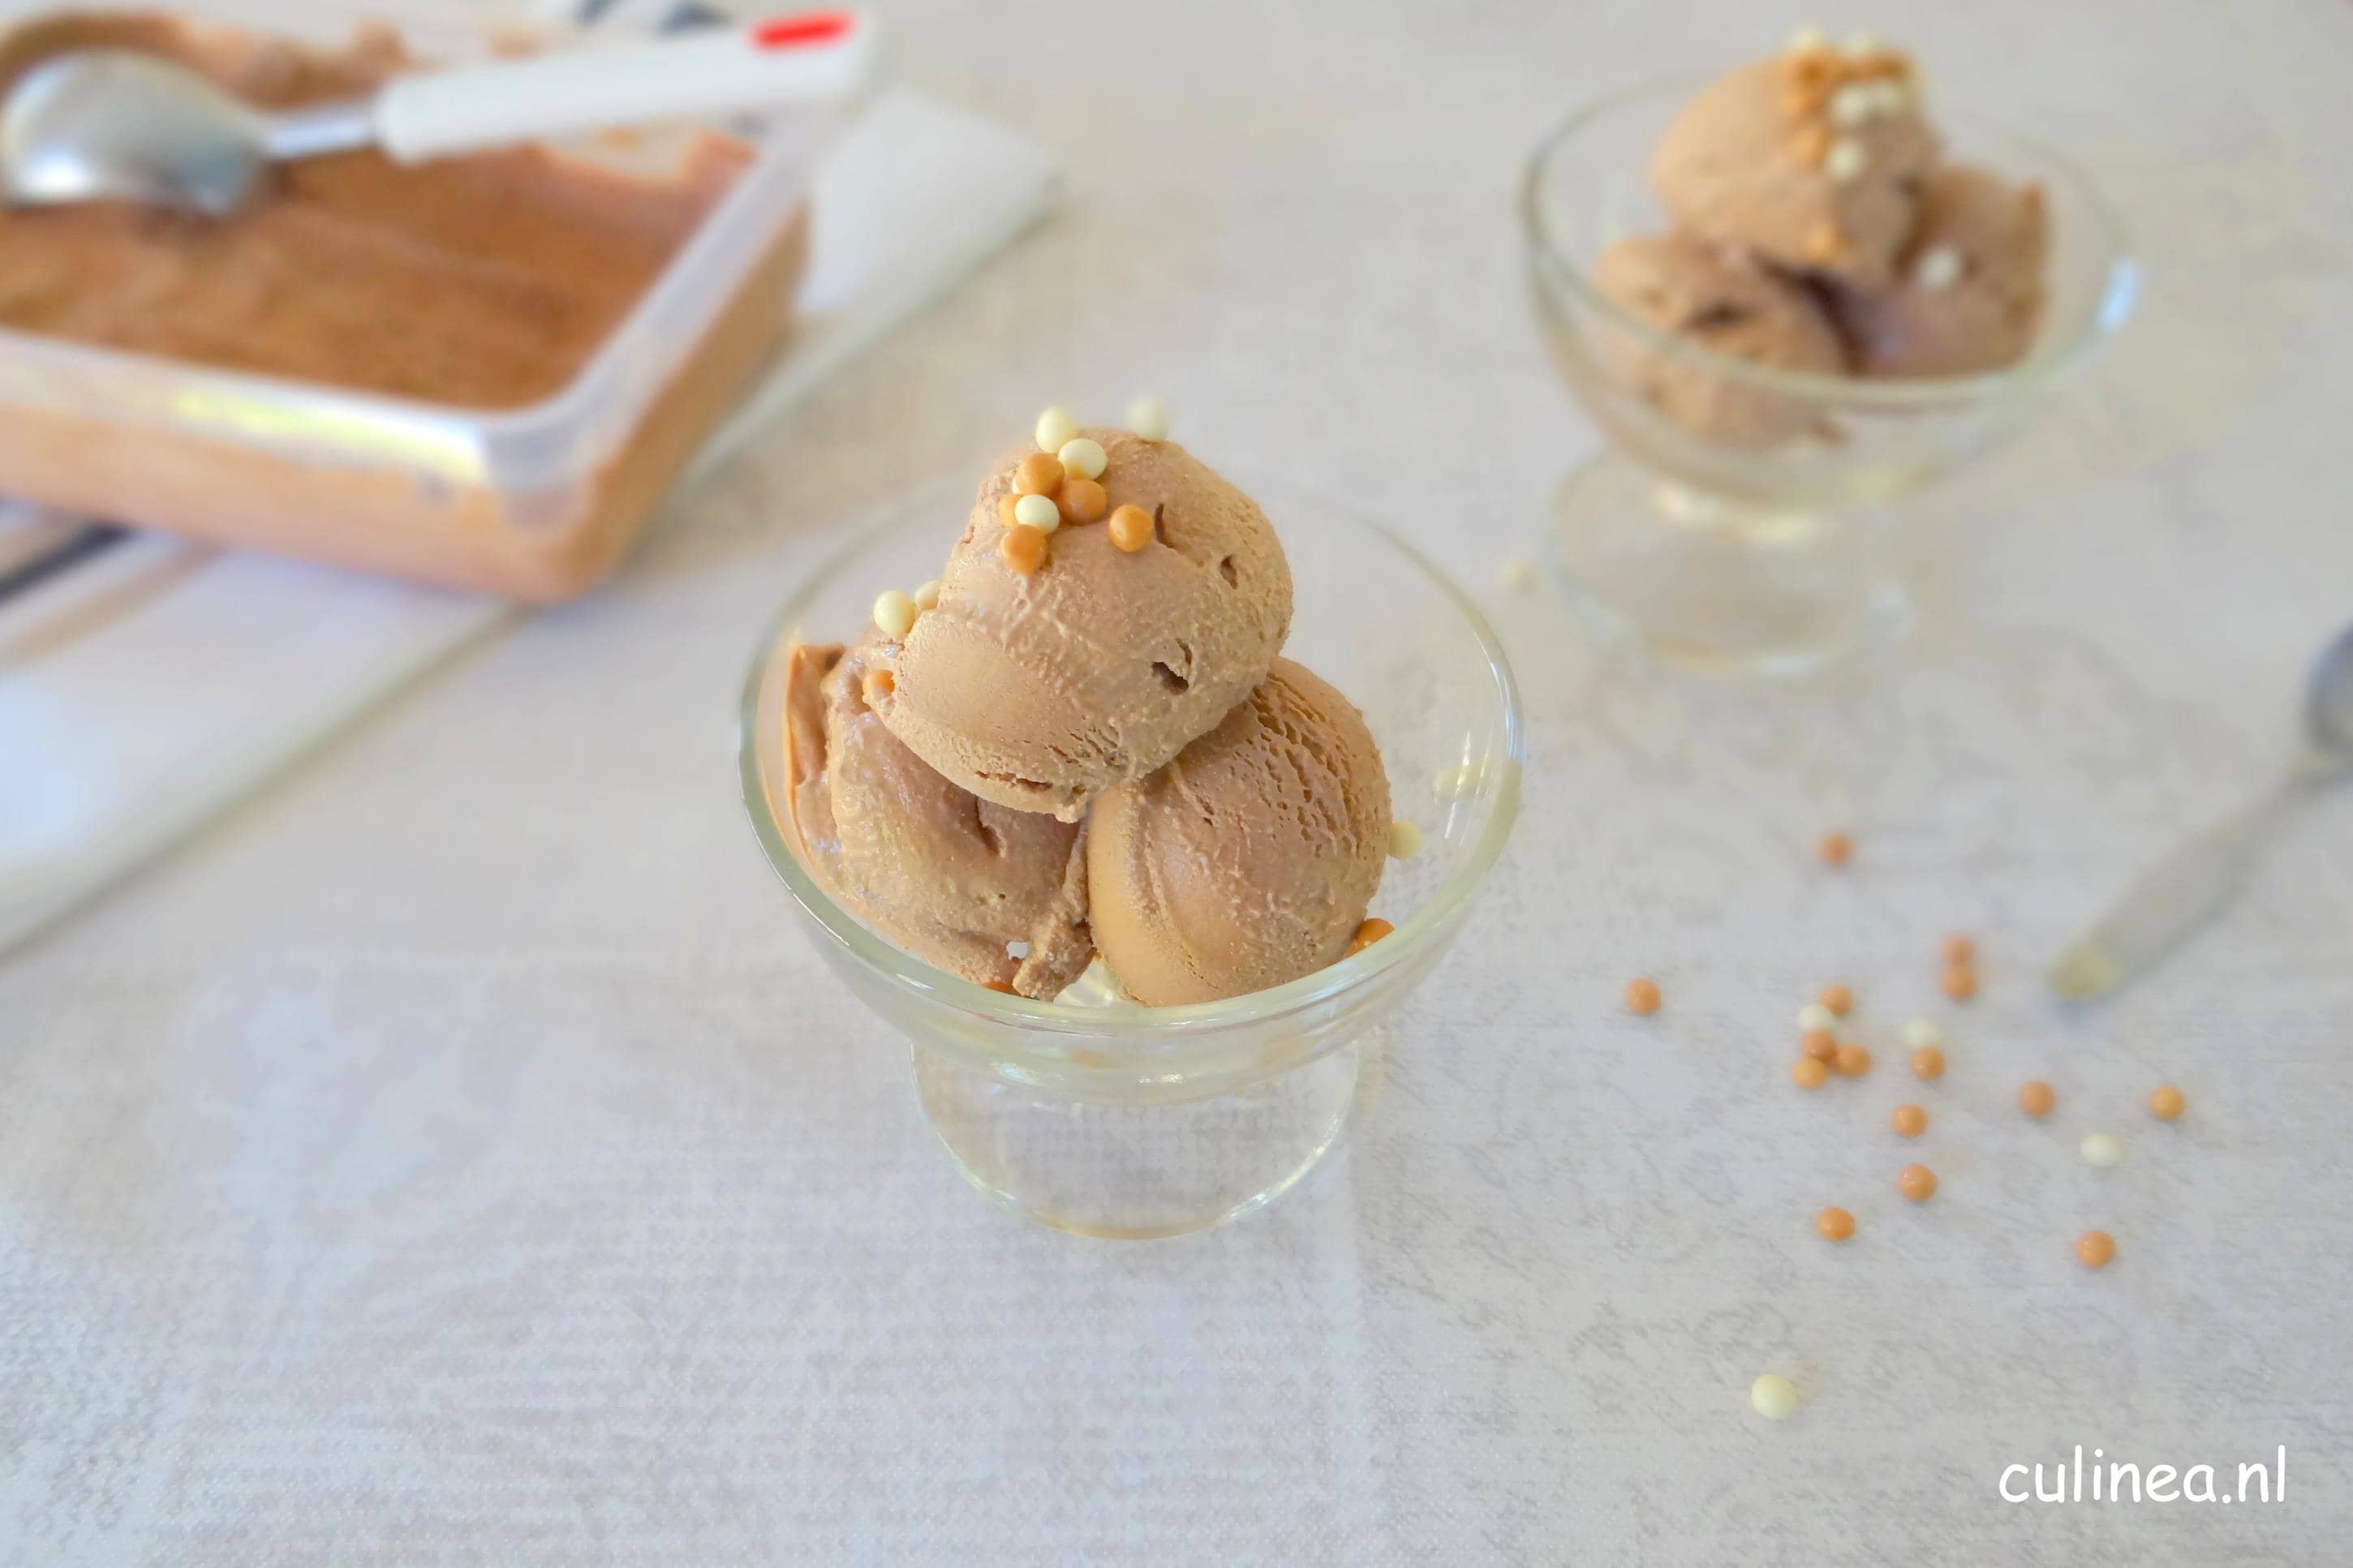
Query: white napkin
{"points": [[154, 683]]}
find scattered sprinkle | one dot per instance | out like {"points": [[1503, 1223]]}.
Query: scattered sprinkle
{"points": [[2095, 1249], [2101, 1149], [1923, 1032], [1149, 417], [1005, 505], [1961, 983], [1839, 999], [1082, 456], [1852, 104], [894, 614], [1834, 849], [1958, 948], [1039, 474], [927, 597], [1805, 1072], [1861, 46], [1810, 145], [1853, 1061], [1773, 1397], [1130, 528], [878, 684], [1808, 39], [1642, 995], [1917, 1183], [2037, 1098], [1814, 1015], [2166, 1103], [1927, 1063], [1938, 268], [1909, 1120], [1819, 1044], [1042, 512], [1844, 160], [1023, 548], [1405, 839], [1836, 1225], [1824, 243], [1371, 932], [1081, 500], [1056, 426]]}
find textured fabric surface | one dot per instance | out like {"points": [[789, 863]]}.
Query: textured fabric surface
{"points": [[457, 1156]]}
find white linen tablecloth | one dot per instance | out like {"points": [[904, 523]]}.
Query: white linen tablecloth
{"points": [[457, 1156]]}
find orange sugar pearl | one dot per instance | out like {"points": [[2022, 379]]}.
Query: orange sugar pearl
{"points": [[1824, 243], [1005, 505], [1040, 474], [1130, 528], [880, 683], [2095, 1249], [1023, 548], [1961, 983], [1837, 999], [1834, 849], [1959, 950], [1810, 145], [2036, 1097], [1081, 500], [1853, 1061], [1371, 932], [1909, 1120], [1927, 1062], [1917, 1183], [1642, 995], [1821, 1045], [2166, 1103], [1001, 987], [1836, 1225], [1808, 1073]]}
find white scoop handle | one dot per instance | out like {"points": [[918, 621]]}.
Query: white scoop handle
{"points": [[811, 58]]}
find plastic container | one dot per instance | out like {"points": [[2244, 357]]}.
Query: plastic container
{"points": [[536, 502]]}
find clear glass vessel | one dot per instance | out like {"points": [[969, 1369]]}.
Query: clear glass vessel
{"points": [[1091, 1113], [1768, 558]]}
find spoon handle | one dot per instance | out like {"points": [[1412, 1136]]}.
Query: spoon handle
{"points": [[812, 58], [2170, 901]]}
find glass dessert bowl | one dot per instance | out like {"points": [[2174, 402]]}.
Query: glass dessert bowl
{"points": [[1095, 1115], [1757, 545]]}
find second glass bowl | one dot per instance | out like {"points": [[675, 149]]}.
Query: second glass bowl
{"points": [[1768, 559], [1091, 1113]]}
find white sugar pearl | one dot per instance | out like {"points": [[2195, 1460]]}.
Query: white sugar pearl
{"points": [[1938, 268], [2101, 1149], [1518, 575], [1083, 457], [1852, 104], [1814, 1015], [1405, 839], [894, 614], [1149, 417], [1861, 45], [1844, 160], [1806, 40], [1056, 426], [1890, 96], [1040, 513], [1922, 1035], [1773, 1397], [927, 597]]}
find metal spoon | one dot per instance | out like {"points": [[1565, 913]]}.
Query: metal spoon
{"points": [[117, 123], [2179, 895]]}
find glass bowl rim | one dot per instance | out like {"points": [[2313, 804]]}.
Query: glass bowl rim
{"points": [[2119, 291], [1431, 923]]}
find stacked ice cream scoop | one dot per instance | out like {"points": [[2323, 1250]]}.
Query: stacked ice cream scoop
{"points": [[1082, 739], [1817, 229]]}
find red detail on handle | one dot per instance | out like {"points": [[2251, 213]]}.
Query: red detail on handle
{"points": [[798, 32]]}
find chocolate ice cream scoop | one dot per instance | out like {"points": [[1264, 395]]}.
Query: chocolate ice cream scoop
{"points": [[1722, 301], [1972, 285], [950, 878], [1812, 158], [1248, 860], [1041, 688]]}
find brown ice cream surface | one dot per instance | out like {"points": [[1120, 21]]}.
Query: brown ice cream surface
{"points": [[1039, 692], [950, 878], [1721, 300], [1740, 165], [484, 281], [1972, 290], [1248, 860]]}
